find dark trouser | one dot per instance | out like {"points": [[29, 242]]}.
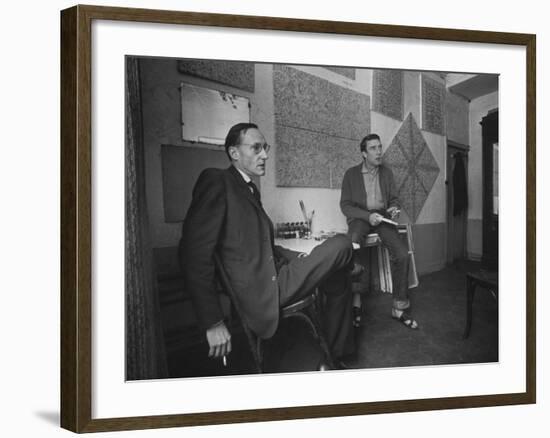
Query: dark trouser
{"points": [[326, 267], [359, 229]]}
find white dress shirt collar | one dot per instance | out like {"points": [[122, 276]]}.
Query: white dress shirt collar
{"points": [[244, 175]]}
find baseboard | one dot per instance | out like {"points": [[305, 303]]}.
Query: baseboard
{"points": [[432, 267], [474, 257]]}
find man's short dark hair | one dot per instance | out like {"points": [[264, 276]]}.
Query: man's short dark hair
{"points": [[234, 135], [363, 144]]}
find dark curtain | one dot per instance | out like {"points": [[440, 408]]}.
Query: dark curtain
{"points": [[460, 186], [145, 352]]}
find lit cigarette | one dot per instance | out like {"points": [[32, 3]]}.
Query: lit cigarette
{"points": [[224, 359]]}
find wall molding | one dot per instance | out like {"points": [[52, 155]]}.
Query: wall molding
{"points": [[432, 267]]}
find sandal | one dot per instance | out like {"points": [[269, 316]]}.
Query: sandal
{"points": [[405, 318]]}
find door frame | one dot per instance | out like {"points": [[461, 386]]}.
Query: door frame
{"points": [[452, 148]]}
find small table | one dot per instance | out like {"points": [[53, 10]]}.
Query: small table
{"points": [[485, 279], [300, 245]]}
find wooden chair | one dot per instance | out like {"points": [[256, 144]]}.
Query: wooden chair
{"points": [[307, 309], [384, 260], [384, 280], [485, 279]]}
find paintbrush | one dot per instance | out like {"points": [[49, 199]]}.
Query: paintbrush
{"points": [[303, 207]]}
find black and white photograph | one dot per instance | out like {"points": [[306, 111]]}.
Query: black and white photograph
{"points": [[271, 219], [290, 218]]}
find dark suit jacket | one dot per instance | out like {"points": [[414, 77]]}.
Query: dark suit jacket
{"points": [[224, 217], [353, 200]]}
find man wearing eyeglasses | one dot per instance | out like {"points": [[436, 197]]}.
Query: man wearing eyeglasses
{"points": [[226, 217]]}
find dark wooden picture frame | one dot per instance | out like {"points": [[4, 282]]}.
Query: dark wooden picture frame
{"points": [[76, 217]]}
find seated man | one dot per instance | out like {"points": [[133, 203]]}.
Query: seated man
{"points": [[368, 196], [226, 216]]}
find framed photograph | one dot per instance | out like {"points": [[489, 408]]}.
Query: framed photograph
{"points": [[268, 219]]}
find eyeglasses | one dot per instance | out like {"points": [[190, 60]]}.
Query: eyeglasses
{"points": [[257, 147]]}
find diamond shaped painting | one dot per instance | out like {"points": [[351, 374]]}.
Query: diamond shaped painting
{"points": [[413, 166]]}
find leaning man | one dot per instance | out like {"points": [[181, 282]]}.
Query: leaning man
{"points": [[368, 196], [226, 217]]}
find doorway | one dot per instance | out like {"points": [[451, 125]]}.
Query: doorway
{"points": [[457, 201]]}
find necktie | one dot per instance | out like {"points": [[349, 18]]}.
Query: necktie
{"points": [[255, 190], [256, 194]]}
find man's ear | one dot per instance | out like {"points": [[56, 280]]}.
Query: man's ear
{"points": [[234, 153], [364, 154]]}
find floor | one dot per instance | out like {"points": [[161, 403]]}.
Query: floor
{"points": [[438, 304]]}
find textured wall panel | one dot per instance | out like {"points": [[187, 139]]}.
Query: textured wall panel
{"points": [[312, 159], [301, 158], [237, 74], [344, 71], [457, 118], [308, 102], [387, 93], [433, 106], [318, 126]]}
